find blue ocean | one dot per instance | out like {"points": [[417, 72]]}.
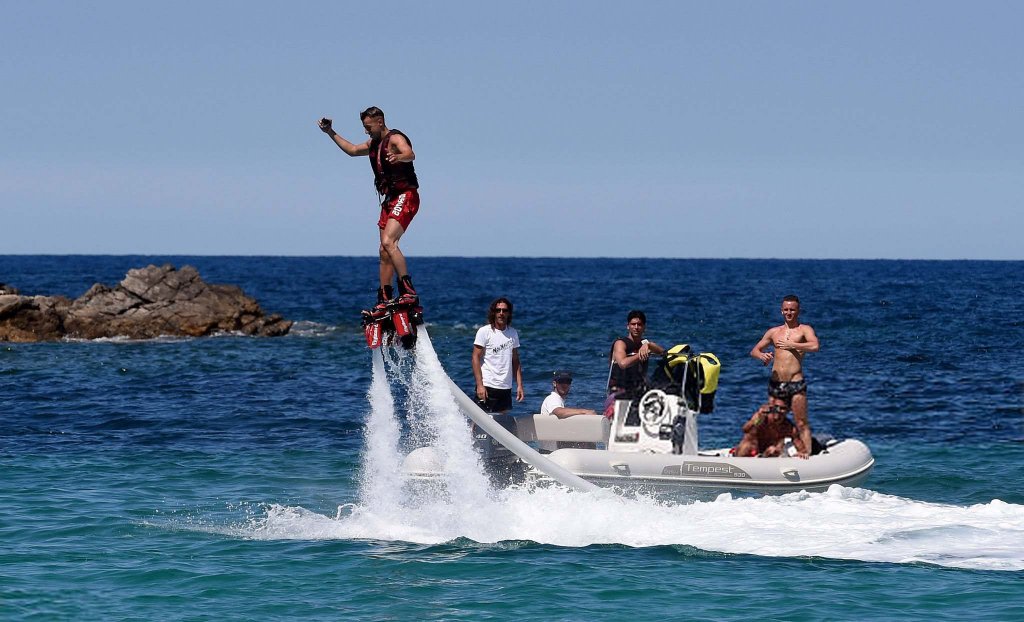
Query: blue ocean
{"points": [[233, 478]]}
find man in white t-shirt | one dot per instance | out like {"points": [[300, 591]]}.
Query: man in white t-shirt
{"points": [[496, 360], [554, 404]]}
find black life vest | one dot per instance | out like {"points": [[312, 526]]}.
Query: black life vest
{"points": [[391, 178], [633, 379]]}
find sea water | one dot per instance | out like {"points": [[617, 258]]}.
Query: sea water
{"points": [[240, 478]]}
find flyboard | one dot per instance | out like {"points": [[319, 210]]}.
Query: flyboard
{"points": [[395, 322], [401, 325]]}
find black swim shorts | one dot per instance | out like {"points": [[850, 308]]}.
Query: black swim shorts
{"points": [[786, 390], [497, 401]]}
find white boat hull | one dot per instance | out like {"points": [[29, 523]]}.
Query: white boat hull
{"points": [[847, 462], [643, 454]]}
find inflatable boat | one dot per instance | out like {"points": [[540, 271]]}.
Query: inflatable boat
{"points": [[651, 442], [612, 453]]}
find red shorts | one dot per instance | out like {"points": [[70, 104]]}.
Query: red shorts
{"points": [[402, 207]]}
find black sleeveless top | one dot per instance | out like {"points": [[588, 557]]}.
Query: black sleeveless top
{"points": [[631, 379], [391, 178]]}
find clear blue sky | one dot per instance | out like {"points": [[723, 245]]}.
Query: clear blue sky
{"points": [[678, 129]]}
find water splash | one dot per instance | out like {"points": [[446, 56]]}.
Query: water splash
{"points": [[432, 418], [401, 365], [464, 475], [380, 480]]}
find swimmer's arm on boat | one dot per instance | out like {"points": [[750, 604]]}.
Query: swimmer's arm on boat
{"points": [[802, 450], [562, 412]]}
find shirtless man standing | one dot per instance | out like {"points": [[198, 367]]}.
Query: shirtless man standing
{"points": [[791, 341]]}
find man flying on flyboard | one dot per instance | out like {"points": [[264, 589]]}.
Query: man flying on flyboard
{"points": [[391, 156]]}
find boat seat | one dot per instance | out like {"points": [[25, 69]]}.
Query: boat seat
{"points": [[578, 429]]}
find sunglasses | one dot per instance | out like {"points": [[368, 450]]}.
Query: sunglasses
{"points": [[563, 381], [503, 310], [778, 409]]}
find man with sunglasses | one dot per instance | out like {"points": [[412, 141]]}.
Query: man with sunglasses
{"points": [[496, 360], [764, 434]]}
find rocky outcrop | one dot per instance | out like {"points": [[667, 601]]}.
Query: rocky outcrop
{"points": [[150, 302], [32, 318]]}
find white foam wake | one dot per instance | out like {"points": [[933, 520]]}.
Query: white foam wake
{"points": [[842, 523]]}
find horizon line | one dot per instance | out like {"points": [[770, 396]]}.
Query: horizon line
{"points": [[528, 257]]}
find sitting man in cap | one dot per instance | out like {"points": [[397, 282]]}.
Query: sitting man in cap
{"points": [[554, 404]]}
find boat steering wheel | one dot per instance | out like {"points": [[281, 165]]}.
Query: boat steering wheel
{"points": [[652, 407]]}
